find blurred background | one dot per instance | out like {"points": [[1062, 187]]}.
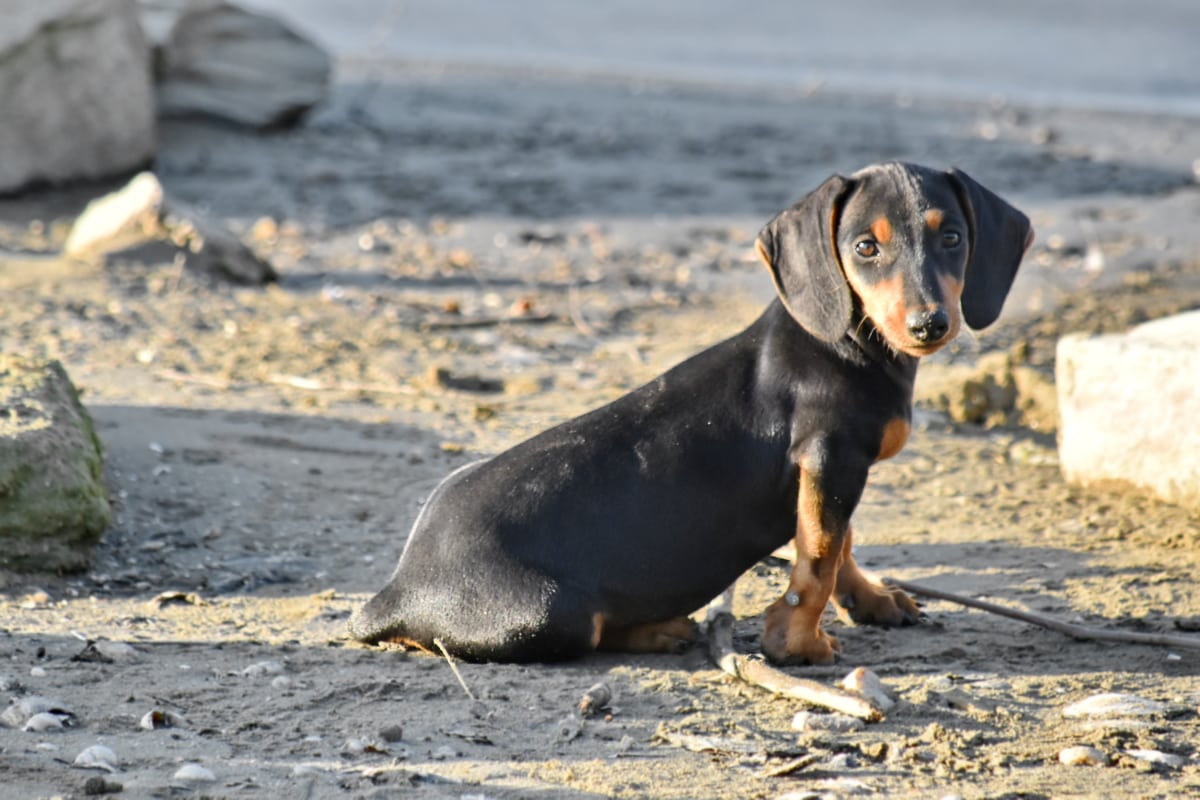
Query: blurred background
{"points": [[1094, 53]]}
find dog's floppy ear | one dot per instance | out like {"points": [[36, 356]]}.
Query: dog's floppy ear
{"points": [[1000, 234], [798, 247]]}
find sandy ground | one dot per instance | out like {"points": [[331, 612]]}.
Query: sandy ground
{"points": [[465, 262]]}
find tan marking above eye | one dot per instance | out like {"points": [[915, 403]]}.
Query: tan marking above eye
{"points": [[881, 229], [934, 218]]}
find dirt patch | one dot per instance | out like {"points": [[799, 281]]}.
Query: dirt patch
{"points": [[269, 448]]}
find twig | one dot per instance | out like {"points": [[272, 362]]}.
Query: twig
{"points": [[575, 308], [291, 381], [202, 380], [789, 767], [314, 385], [755, 671], [1084, 632], [453, 323], [454, 669]]}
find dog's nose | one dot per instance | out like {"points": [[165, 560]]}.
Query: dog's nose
{"points": [[928, 326]]}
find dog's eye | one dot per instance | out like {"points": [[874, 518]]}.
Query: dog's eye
{"points": [[951, 238], [867, 248]]}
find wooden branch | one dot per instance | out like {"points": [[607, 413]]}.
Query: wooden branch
{"points": [[755, 671], [1083, 632]]}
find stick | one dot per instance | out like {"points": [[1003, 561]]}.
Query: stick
{"points": [[754, 671], [453, 323], [454, 669], [1083, 632]]}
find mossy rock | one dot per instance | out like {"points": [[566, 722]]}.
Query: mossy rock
{"points": [[53, 501]]}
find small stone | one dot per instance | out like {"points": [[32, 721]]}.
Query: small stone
{"points": [[263, 668], [117, 651], [21, 711], [867, 683], [1082, 756], [443, 753], [45, 722], [158, 719], [832, 723], [96, 785], [97, 756], [391, 733], [1111, 704], [193, 775]]}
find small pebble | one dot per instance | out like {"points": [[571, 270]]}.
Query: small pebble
{"points": [[833, 723], [868, 684], [1157, 757], [43, 722], [263, 668], [444, 752], [37, 672], [193, 775], [97, 756], [117, 651], [17, 714], [391, 733], [841, 762], [1113, 705], [158, 719], [96, 785], [1082, 756]]}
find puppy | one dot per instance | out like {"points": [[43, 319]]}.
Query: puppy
{"points": [[609, 529]]}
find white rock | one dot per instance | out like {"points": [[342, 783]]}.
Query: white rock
{"points": [[117, 651], [158, 718], [1157, 757], [215, 59], [141, 211], [21, 711], [44, 722], [1149, 379], [193, 775], [833, 723], [76, 92], [1110, 705], [1082, 756], [97, 756], [261, 668], [114, 215], [868, 684]]}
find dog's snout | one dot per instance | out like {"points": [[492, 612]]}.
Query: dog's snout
{"points": [[928, 325]]}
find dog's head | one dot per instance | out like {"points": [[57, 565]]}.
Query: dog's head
{"points": [[917, 249]]}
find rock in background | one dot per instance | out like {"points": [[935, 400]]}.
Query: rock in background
{"points": [[53, 501], [76, 99], [1129, 403], [215, 59], [141, 212]]}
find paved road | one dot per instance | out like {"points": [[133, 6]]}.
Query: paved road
{"points": [[1090, 53]]}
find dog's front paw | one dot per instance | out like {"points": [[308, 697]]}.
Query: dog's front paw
{"points": [[787, 640]]}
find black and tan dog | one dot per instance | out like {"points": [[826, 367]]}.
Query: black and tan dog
{"points": [[607, 530]]}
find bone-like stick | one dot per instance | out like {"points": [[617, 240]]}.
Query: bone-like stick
{"points": [[1067, 628], [756, 672]]}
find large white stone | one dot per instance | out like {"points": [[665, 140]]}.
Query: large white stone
{"points": [[215, 59], [76, 98], [1129, 406]]}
